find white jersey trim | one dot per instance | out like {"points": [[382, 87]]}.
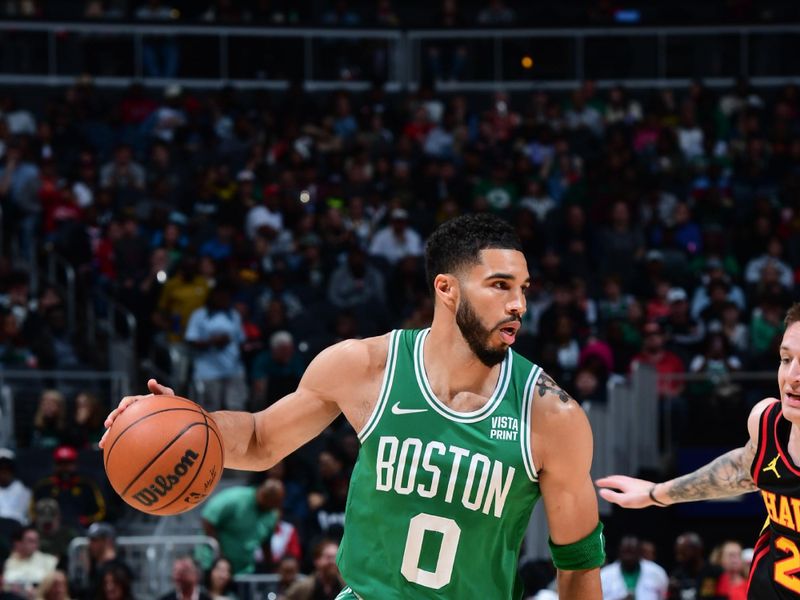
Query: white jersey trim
{"points": [[345, 594], [474, 416], [526, 415], [386, 387]]}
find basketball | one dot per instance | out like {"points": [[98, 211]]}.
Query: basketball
{"points": [[163, 455]]}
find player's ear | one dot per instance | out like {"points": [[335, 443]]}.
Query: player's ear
{"points": [[445, 288]]}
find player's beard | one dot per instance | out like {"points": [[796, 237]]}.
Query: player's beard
{"points": [[476, 335]]}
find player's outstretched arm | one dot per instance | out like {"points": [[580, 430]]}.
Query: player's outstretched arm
{"points": [[338, 377], [562, 444], [725, 476], [335, 380]]}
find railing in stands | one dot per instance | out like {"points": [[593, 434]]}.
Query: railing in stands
{"points": [[54, 53], [118, 324], [258, 586], [638, 57], [727, 398], [149, 557], [61, 274], [20, 391], [221, 50], [7, 430], [118, 382]]}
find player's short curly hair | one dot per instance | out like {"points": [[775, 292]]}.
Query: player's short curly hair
{"points": [[792, 315], [457, 243]]}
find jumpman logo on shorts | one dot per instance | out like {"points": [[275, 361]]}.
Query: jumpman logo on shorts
{"points": [[773, 466]]}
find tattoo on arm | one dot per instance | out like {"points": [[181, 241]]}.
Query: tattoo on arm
{"points": [[545, 385], [727, 475]]}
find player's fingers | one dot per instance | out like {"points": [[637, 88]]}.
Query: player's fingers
{"points": [[611, 496], [123, 404], [102, 442], [110, 418], [159, 389], [624, 499], [619, 482], [155, 388]]}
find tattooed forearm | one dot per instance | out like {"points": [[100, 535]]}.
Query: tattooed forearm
{"points": [[727, 475], [545, 385]]}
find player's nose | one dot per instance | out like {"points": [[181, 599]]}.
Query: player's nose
{"points": [[516, 306], [794, 371]]}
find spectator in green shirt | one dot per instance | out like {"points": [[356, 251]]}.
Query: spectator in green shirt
{"points": [[765, 326], [499, 192], [241, 518]]}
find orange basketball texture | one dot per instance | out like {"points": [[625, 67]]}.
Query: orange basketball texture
{"points": [[163, 455]]}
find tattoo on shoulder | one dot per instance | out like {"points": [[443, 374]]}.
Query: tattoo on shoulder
{"points": [[546, 385]]}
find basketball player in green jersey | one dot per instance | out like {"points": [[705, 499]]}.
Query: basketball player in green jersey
{"points": [[459, 437]]}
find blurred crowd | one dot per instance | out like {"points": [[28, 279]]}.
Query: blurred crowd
{"points": [[251, 231], [636, 571], [248, 231]]}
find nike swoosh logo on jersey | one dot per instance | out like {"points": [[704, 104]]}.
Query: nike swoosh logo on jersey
{"points": [[396, 410]]}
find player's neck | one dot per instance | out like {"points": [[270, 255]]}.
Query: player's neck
{"points": [[453, 368]]}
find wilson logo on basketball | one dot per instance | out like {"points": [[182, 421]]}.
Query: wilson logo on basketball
{"points": [[164, 483]]}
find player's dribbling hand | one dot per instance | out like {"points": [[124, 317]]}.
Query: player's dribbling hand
{"points": [[633, 493], [152, 385]]}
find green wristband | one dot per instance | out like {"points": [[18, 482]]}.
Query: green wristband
{"points": [[588, 553]]}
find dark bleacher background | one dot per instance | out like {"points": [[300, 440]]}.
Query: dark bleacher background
{"points": [[323, 125]]}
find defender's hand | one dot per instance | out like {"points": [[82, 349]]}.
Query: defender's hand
{"points": [[633, 493], [155, 389]]}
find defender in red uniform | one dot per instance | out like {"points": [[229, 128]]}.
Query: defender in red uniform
{"points": [[776, 557], [768, 462]]}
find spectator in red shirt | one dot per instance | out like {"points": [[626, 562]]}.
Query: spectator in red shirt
{"points": [[665, 362], [674, 410], [732, 584], [136, 106], [419, 126]]}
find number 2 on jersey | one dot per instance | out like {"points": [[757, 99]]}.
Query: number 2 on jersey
{"points": [[410, 568], [786, 568]]}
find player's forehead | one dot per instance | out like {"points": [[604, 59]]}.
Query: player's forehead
{"points": [[507, 262], [791, 339]]}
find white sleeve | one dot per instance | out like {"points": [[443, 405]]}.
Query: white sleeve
{"points": [[378, 245], [194, 328], [663, 580]]}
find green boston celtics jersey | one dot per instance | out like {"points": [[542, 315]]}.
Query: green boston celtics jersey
{"points": [[440, 500]]}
